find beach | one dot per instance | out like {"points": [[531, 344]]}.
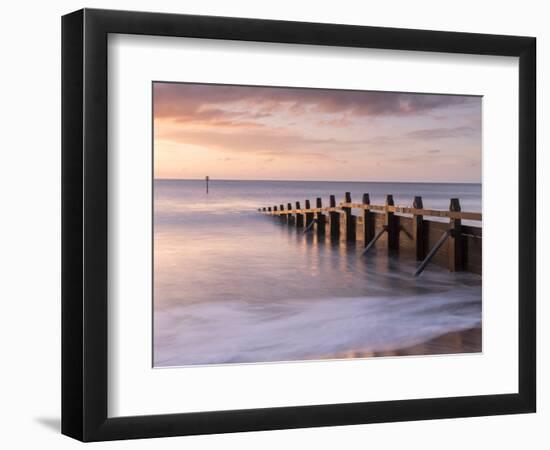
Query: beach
{"points": [[454, 342]]}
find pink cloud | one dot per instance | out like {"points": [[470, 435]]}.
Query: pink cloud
{"points": [[187, 100]]}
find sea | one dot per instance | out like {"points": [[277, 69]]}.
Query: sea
{"points": [[233, 286]]}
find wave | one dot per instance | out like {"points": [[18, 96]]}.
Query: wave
{"points": [[290, 330]]}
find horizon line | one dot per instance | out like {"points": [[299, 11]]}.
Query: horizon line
{"points": [[316, 181]]}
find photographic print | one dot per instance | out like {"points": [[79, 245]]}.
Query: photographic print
{"points": [[303, 224]]}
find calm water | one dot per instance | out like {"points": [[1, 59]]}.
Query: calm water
{"points": [[233, 286]]}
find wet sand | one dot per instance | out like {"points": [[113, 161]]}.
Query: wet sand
{"points": [[465, 341]]}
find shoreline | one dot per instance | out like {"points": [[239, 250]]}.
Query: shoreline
{"points": [[453, 342]]}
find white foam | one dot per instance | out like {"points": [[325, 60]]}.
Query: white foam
{"points": [[238, 332]]}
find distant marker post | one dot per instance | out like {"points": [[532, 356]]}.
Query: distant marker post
{"points": [[207, 179]]}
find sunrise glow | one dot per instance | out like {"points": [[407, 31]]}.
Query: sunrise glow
{"points": [[266, 133]]}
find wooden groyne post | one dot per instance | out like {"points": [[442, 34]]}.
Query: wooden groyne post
{"points": [[289, 218], [334, 218], [320, 218], [368, 220], [455, 247], [392, 225], [299, 217], [308, 216], [348, 219], [407, 230], [418, 232]]}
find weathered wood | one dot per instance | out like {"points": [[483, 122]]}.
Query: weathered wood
{"points": [[472, 256], [417, 230], [368, 221], [392, 226], [371, 243], [462, 252], [304, 211], [289, 216], [423, 212], [334, 218], [283, 217], [308, 216], [433, 252], [320, 218], [455, 240], [299, 216], [348, 220], [471, 231], [395, 209]]}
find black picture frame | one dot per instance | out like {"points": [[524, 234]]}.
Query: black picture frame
{"points": [[84, 224]]}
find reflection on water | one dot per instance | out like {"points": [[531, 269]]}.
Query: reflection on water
{"points": [[233, 286]]}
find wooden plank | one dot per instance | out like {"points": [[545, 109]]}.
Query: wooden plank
{"points": [[289, 216], [299, 216], [407, 247], [461, 253], [392, 224], [283, 215], [309, 210], [471, 231], [334, 219], [417, 230], [320, 218], [348, 220], [472, 253], [368, 221], [395, 209], [308, 215], [455, 239], [415, 211]]}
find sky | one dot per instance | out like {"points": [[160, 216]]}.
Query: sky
{"points": [[272, 133]]}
